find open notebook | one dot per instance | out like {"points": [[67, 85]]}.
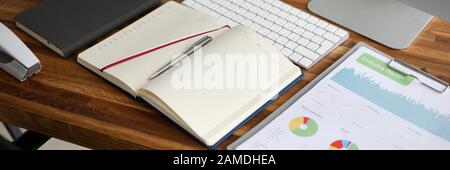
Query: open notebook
{"points": [[209, 114]]}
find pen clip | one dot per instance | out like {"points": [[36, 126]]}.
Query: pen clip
{"points": [[423, 77], [197, 45]]}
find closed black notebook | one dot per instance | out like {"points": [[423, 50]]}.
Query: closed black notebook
{"points": [[65, 26]]}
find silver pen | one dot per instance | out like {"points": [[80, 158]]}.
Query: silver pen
{"points": [[197, 45]]}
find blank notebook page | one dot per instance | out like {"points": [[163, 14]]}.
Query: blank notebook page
{"points": [[209, 111]]}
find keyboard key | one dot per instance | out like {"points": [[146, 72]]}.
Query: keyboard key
{"points": [[255, 26], [229, 14], [267, 23], [299, 30], [241, 10], [326, 45], [307, 52], [249, 15], [319, 31], [285, 32], [291, 45], [275, 28], [274, 10], [246, 5], [317, 39], [222, 10], [312, 19], [224, 3], [254, 9], [301, 23], [289, 26], [247, 23], [280, 21], [257, 19], [306, 62], [286, 51], [232, 7], [283, 14], [189, 2], [257, 3], [272, 17], [238, 18], [313, 46], [212, 6], [331, 37], [310, 27], [266, 6], [263, 31], [277, 3], [294, 37], [277, 46], [263, 13], [273, 36], [341, 33], [304, 15], [263, 1], [322, 24], [303, 41], [295, 57], [282, 40], [331, 28], [295, 11], [292, 18], [285, 7], [308, 35]]}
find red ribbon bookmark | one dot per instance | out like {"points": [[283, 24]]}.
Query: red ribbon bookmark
{"points": [[160, 47]]}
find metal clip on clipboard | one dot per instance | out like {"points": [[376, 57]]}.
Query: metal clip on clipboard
{"points": [[423, 77]]}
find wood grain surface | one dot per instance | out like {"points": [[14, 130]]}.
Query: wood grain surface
{"points": [[68, 102]]}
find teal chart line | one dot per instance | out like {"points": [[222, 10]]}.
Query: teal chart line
{"points": [[403, 106]]}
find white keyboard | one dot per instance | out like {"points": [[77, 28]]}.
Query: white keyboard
{"points": [[304, 38]]}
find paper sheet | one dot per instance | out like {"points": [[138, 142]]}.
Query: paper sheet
{"points": [[362, 104]]}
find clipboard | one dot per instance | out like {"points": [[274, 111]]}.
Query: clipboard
{"points": [[426, 79]]}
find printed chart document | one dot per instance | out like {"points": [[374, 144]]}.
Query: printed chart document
{"points": [[361, 104]]}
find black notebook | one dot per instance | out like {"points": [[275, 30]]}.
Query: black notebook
{"points": [[65, 26]]}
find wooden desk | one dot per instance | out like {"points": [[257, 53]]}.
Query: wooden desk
{"points": [[68, 102]]}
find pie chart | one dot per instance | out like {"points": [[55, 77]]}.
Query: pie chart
{"points": [[343, 145], [303, 126]]}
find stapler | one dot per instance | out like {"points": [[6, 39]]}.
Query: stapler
{"points": [[15, 57]]}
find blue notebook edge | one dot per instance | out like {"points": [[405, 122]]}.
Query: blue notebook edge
{"points": [[256, 113], [229, 134]]}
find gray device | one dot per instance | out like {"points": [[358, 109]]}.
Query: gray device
{"points": [[439, 8], [394, 23], [66, 26], [15, 57]]}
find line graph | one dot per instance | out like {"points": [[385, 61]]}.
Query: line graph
{"points": [[400, 104]]}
